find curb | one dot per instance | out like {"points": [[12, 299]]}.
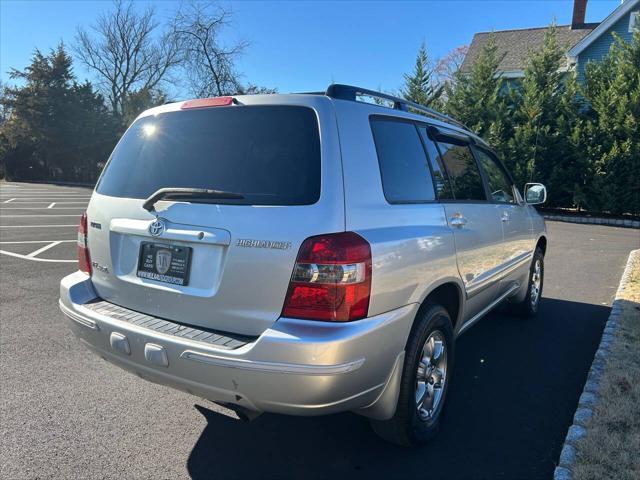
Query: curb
{"points": [[590, 393], [614, 222]]}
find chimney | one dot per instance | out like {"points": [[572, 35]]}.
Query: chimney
{"points": [[579, 12]]}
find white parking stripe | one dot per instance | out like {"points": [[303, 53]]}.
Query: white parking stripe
{"points": [[51, 260], [43, 249], [53, 192], [42, 208], [20, 216], [44, 198], [36, 226], [9, 201], [40, 195], [48, 201], [51, 205], [36, 241]]}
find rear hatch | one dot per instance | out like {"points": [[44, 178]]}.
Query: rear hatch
{"points": [[218, 263]]}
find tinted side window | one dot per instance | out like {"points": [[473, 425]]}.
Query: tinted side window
{"points": [[499, 183], [403, 163], [443, 187], [466, 181]]}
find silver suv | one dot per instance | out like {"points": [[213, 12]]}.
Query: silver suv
{"points": [[302, 254]]}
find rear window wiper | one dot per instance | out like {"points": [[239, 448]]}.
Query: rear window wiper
{"points": [[190, 194]]}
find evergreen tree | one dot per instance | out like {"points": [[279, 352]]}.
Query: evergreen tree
{"points": [[612, 126], [420, 86], [546, 111], [138, 101], [474, 97], [55, 128]]}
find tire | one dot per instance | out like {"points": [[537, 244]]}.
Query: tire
{"points": [[432, 331], [528, 307]]}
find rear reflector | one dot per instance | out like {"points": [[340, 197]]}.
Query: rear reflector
{"points": [[84, 260], [331, 279], [207, 102]]}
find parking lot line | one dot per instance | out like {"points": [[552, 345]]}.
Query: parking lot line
{"points": [[51, 205], [43, 249], [20, 216], [36, 226], [47, 202], [35, 259], [41, 208], [52, 192], [9, 201], [35, 241], [40, 195], [44, 198]]}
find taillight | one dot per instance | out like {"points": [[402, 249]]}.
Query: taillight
{"points": [[84, 260], [331, 279]]}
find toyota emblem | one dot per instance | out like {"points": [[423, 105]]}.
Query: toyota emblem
{"points": [[157, 227]]}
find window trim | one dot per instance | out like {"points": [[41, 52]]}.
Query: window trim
{"points": [[394, 118], [418, 125], [634, 21], [445, 135]]}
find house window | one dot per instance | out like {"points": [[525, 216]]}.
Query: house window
{"points": [[634, 21]]}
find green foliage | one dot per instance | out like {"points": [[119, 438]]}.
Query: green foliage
{"points": [[483, 101], [55, 128], [420, 86], [612, 132], [544, 146], [138, 101], [474, 97], [583, 142]]}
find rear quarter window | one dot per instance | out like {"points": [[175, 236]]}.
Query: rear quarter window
{"points": [[403, 163], [269, 154]]}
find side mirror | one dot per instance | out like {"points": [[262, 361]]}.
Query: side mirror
{"points": [[535, 193]]}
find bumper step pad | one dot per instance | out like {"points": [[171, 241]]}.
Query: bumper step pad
{"points": [[219, 339]]}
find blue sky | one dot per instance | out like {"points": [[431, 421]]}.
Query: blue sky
{"points": [[301, 46]]}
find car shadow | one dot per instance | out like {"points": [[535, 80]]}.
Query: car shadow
{"points": [[512, 398]]}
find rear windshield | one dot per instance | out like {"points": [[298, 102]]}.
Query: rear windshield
{"points": [[268, 154]]}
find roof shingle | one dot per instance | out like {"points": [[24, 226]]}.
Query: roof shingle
{"points": [[513, 46]]}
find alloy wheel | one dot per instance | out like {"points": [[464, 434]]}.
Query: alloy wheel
{"points": [[431, 375]]}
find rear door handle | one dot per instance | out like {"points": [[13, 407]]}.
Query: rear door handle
{"points": [[505, 216], [458, 220]]}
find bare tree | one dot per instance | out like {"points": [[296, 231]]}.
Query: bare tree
{"points": [[447, 66], [126, 53], [209, 62]]}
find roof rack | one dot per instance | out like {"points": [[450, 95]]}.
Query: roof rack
{"points": [[350, 92]]}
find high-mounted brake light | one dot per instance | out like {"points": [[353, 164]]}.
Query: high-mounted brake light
{"points": [[207, 102], [84, 259], [331, 279]]}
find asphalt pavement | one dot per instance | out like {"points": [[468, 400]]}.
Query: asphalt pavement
{"points": [[65, 413]]}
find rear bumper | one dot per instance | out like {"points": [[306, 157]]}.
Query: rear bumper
{"points": [[295, 367]]}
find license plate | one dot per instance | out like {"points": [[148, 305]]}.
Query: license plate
{"points": [[164, 263]]}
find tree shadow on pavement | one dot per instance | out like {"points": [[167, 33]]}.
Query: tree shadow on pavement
{"points": [[514, 392]]}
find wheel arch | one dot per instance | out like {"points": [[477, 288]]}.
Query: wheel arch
{"points": [[542, 244], [449, 294]]}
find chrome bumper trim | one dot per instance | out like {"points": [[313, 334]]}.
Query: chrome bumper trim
{"points": [[290, 368]]}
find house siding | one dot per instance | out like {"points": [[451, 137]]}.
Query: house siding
{"points": [[600, 47]]}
